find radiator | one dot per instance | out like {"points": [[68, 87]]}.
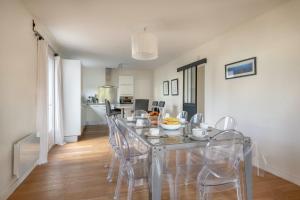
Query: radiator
{"points": [[26, 154]]}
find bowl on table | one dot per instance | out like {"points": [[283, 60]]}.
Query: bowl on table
{"points": [[170, 126], [170, 123]]}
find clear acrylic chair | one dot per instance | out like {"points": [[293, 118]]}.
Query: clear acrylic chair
{"points": [[112, 142], [221, 170], [183, 116], [140, 114], [192, 157], [196, 120], [188, 161], [134, 160], [226, 123]]}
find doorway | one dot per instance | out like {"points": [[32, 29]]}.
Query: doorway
{"points": [[194, 87], [190, 91]]}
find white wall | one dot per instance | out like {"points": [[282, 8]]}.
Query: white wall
{"points": [[266, 105], [17, 83], [92, 78]]}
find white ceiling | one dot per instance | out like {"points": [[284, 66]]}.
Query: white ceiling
{"points": [[98, 31]]}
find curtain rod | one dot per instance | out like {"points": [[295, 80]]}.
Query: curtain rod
{"points": [[40, 37]]}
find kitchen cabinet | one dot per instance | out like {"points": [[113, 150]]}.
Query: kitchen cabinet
{"points": [[125, 80], [126, 86], [95, 114]]}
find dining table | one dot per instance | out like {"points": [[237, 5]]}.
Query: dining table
{"points": [[181, 139]]}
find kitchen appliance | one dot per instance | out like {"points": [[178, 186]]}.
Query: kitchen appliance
{"points": [[108, 91], [126, 99]]}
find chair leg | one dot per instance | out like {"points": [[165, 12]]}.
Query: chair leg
{"points": [[171, 187], [177, 184], [202, 194], [111, 168], [130, 183], [239, 192], [188, 165], [119, 182]]}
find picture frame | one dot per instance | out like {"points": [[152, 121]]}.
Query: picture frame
{"points": [[174, 87], [166, 88], [241, 68]]}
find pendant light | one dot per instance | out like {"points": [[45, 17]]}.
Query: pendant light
{"points": [[144, 46]]}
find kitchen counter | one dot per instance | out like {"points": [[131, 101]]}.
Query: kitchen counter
{"points": [[94, 113], [114, 105]]}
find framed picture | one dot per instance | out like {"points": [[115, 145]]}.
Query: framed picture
{"points": [[174, 87], [166, 88], [241, 68]]}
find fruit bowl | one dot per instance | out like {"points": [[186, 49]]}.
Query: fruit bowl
{"points": [[170, 126]]}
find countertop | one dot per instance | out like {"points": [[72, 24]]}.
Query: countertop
{"points": [[117, 105]]}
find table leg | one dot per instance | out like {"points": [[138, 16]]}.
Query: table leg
{"points": [[248, 170], [156, 173]]}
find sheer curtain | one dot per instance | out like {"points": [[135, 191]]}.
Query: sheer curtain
{"points": [[58, 103], [42, 99]]}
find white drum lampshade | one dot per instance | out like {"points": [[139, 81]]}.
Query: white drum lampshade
{"points": [[144, 46]]}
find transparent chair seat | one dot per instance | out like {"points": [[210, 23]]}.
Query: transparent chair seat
{"points": [[219, 181]]}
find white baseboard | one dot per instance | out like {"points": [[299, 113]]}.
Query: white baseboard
{"points": [[284, 175], [280, 173], [16, 183]]}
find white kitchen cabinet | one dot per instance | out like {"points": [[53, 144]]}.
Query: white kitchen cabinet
{"points": [[126, 90], [95, 114], [72, 99], [125, 80], [126, 86]]}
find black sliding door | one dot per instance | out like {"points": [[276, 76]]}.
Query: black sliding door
{"points": [[190, 91]]}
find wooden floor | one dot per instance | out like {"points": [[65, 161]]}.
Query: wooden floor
{"points": [[76, 171]]}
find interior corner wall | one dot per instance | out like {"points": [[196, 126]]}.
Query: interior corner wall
{"points": [[17, 84], [266, 105]]}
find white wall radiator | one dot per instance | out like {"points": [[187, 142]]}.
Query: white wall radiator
{"points": [[26, 155]]}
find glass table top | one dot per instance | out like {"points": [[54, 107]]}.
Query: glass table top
{"points": [[183, 135]]}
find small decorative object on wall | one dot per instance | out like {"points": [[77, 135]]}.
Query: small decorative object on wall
{"points": [[174, 87], [241, 68], [166, 88]]}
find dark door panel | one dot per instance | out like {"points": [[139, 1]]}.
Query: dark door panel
{"points": [[190, 91]]}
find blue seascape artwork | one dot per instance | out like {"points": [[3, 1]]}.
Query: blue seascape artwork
{"points": [[244, 68]]}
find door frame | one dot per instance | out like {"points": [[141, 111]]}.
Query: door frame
{"points": [[185, 67]]}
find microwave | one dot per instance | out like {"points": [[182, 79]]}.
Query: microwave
{"points": [[126, 99]]}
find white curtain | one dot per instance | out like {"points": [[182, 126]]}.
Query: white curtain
{"points": [[42, 99], [58, 103]]}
